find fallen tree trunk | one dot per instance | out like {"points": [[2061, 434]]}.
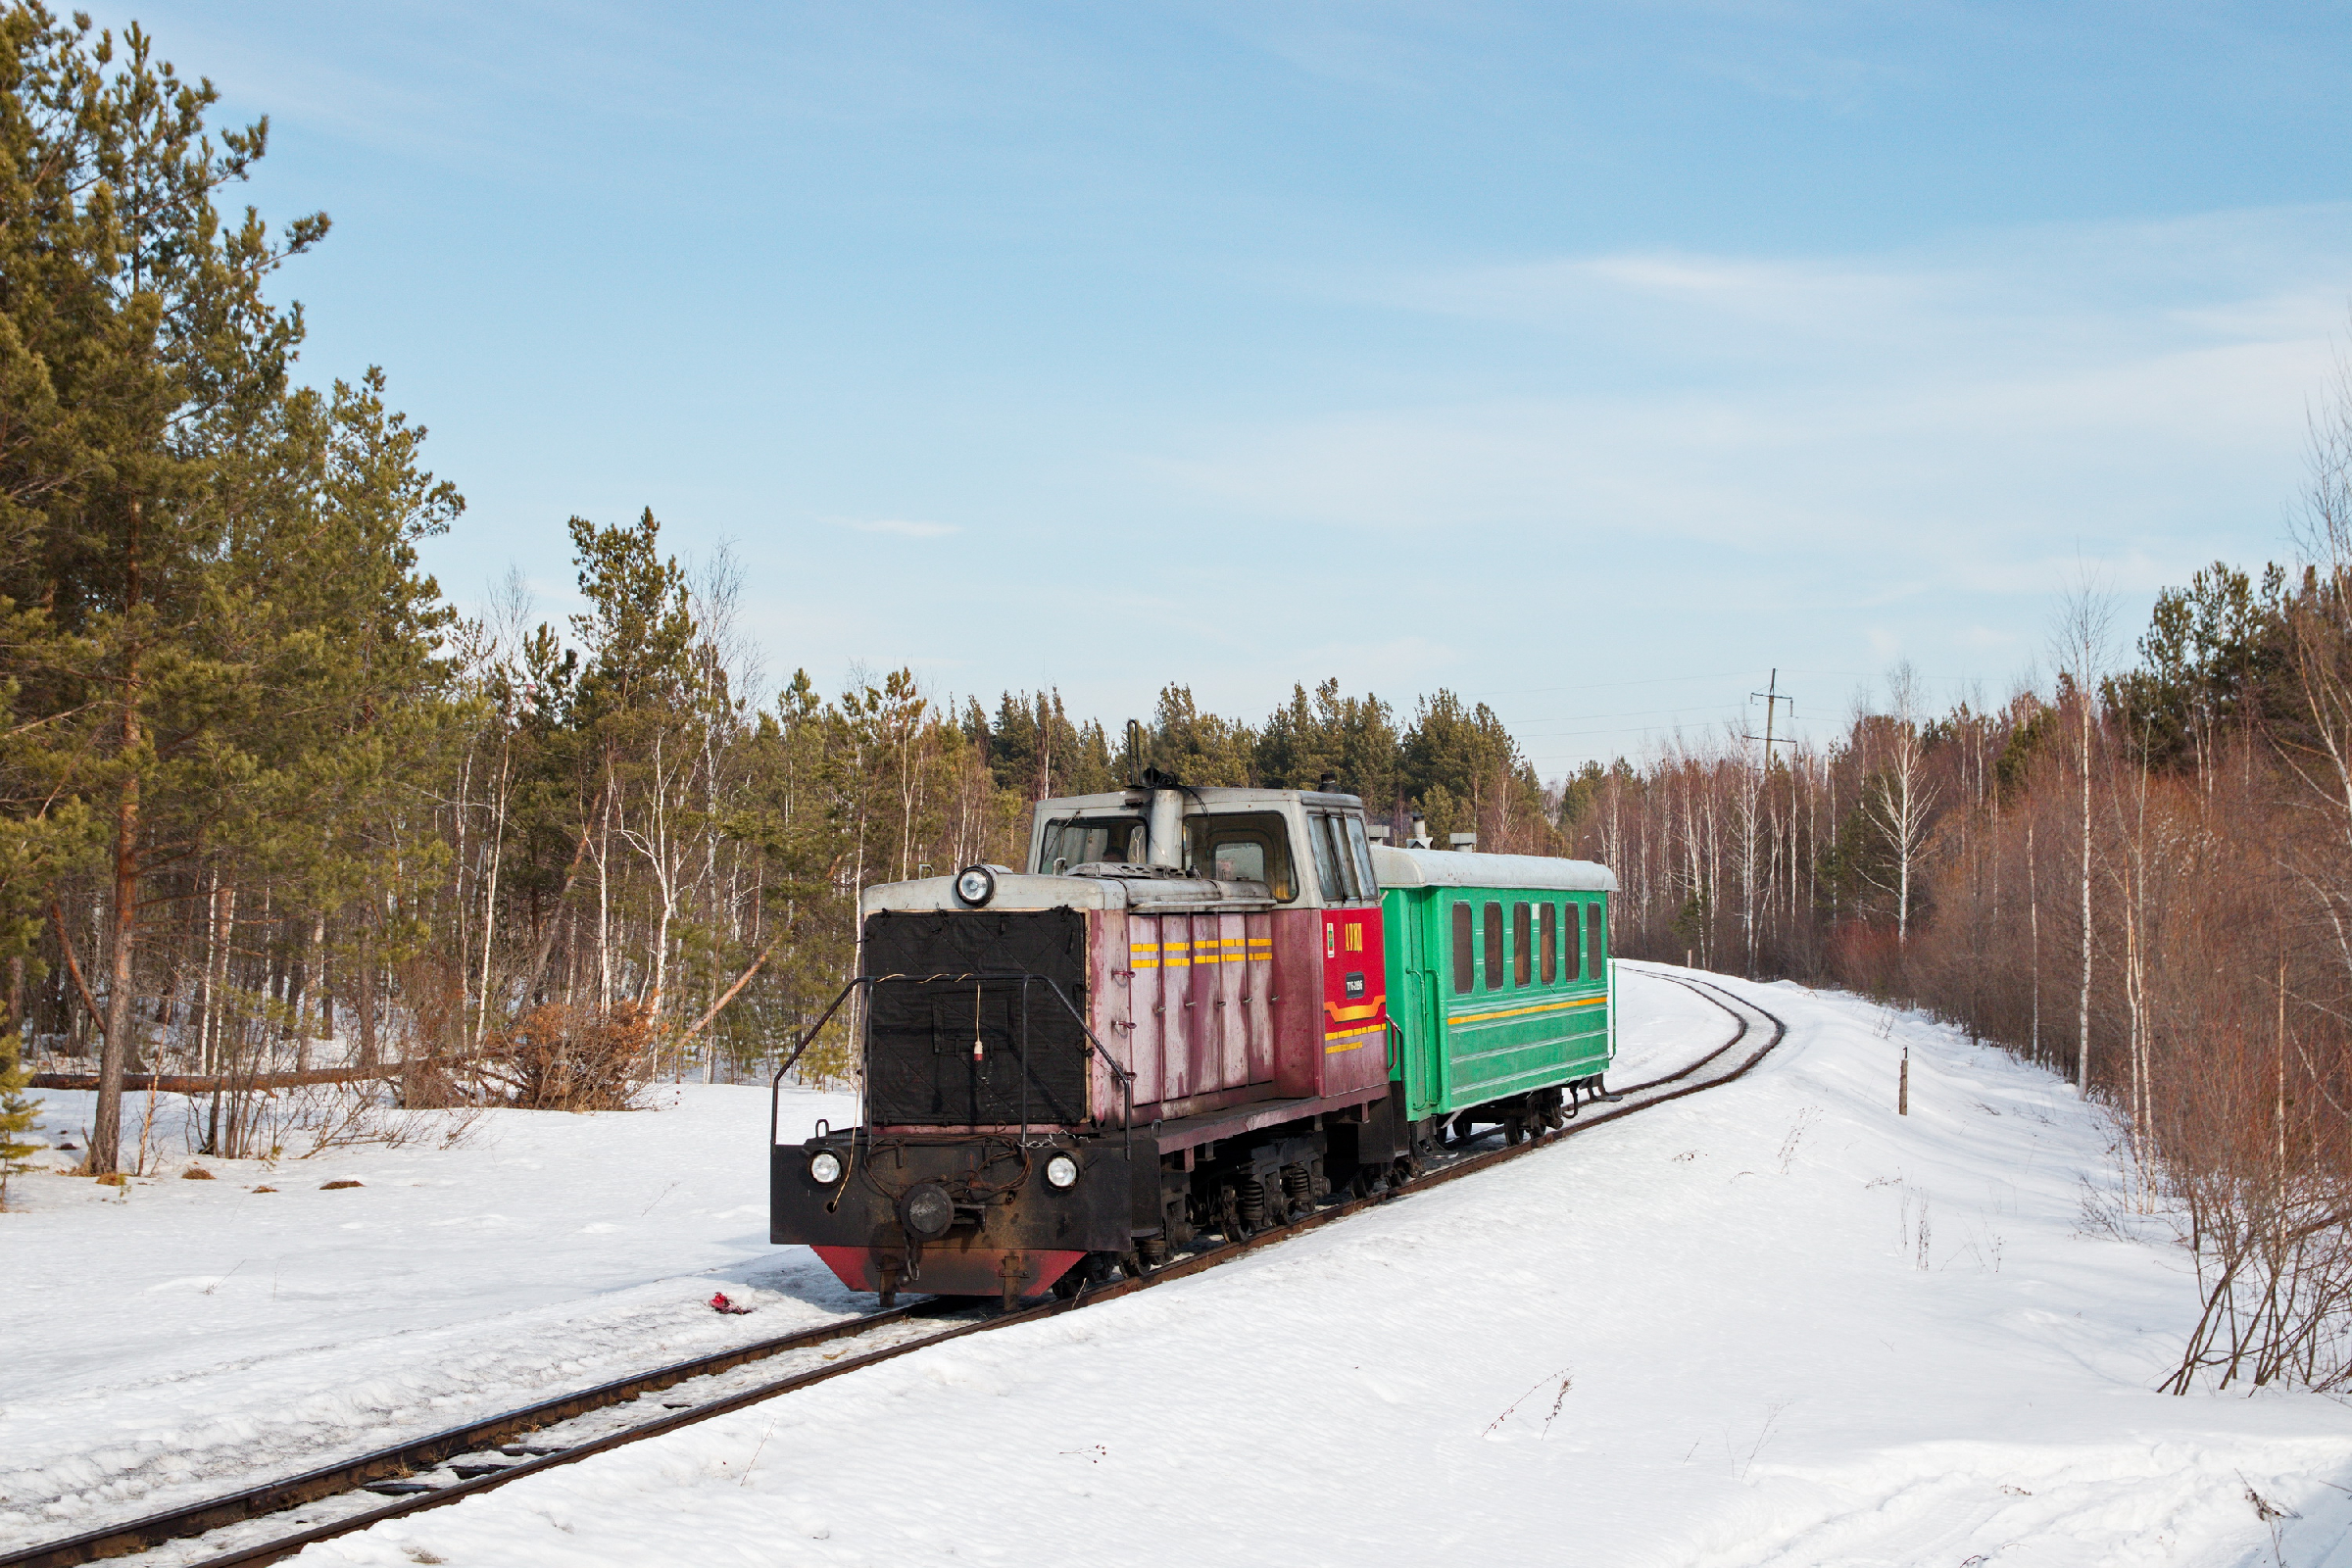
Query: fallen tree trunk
{"points": [[740, 980], [177, 1084]]}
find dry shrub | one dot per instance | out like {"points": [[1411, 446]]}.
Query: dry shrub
{"points": [[347, 1115], [2275, 1273], [1868, 957], [432, 1082], [558, 1058]]}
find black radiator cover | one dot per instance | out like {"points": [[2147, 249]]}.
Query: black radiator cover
{"points": [[920, 1069]]}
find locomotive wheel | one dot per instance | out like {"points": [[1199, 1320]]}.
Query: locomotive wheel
{"points": [[1094, 1271]]}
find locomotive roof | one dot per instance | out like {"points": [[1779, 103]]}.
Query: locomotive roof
{"points": [[1206, 797], [1467, 868]]}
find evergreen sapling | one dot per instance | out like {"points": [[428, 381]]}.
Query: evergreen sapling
{"points": [[19, 1114]]}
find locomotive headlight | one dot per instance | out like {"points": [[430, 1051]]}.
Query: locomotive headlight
{"points": [[975, 884], [927, 1211], [824, 1168], [1062, 1171]]}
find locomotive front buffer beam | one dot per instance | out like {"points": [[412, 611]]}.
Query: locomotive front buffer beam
{"points": [[966, 1213]]}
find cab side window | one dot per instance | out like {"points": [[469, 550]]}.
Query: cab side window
{"points": [[1465, 959], [1346, 886], [1342, 858], [1328, 875], [1360, 851]]}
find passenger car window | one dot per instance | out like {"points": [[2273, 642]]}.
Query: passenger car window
{"points": [[1550, 922], [1599, 954], [1575, 933], [1493, 947], [1522, 949], [1465, 961]]}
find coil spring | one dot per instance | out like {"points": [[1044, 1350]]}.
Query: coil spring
{"points": [[1298, 1184], [1254, 1203]]}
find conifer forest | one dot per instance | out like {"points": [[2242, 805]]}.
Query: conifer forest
{"points": [[271, 805]]}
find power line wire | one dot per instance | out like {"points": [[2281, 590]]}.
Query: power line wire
{"points": [[1612, 685]]}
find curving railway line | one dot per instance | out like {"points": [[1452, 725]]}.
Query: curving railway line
{"points": [[277, 1519]]}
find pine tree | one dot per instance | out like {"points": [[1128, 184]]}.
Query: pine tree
{"points": [[19, 1114], [1200, 748]]}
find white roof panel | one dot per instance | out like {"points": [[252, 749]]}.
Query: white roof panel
{"points": [[1457, 869]]}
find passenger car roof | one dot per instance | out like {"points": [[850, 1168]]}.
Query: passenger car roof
{"points": [[1461, 868]]}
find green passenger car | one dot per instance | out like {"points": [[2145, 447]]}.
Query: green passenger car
{"points": [[1499, 985]]}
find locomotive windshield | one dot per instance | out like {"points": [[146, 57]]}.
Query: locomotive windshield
{"points": [[1235, 846], [1075, 840], [1246, 846]]}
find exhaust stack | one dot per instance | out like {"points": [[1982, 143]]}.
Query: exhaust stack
{"points": [[1166, 830]]}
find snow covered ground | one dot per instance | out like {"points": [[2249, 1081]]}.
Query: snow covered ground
{"points": [[1772, 1324], [172, 1336]]}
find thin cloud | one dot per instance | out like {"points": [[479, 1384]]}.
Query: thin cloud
{"points": [[906, 528], [1938, 415], [2045, 293]]}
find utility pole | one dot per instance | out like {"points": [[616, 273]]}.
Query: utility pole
{"points": [[1748, 915], [1772, 704]]}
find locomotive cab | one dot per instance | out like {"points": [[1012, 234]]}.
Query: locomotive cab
{"points": [[1173, 1019]]}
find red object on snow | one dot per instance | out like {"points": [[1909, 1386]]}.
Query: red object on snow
{"points": [[720, 1303]]}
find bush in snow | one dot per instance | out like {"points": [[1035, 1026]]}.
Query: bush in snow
{"points": [[557, 1057]]}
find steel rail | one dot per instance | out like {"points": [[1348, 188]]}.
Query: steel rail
{"points": [[428, 1453]]}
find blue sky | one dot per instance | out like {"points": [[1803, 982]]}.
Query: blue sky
{"points": [[1592, 360]]}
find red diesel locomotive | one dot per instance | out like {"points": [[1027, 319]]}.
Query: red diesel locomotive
{"points": [[1175, 1020]]}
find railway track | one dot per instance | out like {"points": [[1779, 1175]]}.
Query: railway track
{"points": [[265, 1523]]}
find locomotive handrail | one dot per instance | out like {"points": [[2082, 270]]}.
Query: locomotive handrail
{"points": [[1095, 1045], [776, 1084]]}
